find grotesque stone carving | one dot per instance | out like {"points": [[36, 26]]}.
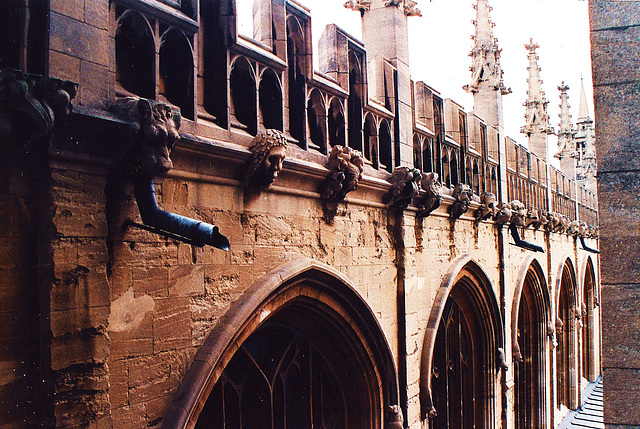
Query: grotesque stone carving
{"points": [[583, 229], [268, 151], [518, 212], [503, 214], [462, 194], [31, 105], [593, 232], [346, 167], [358, 5], [406, 185], [395, 419], [501, 359], [574, 228], [551, 333], [532, 217], [156, 132], [557, 223], [433, 191], [487, 206]]}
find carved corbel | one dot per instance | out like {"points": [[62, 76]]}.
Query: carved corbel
{"points": [[516, 354], [346, 167], [503, 214], [462, 194], [574, 228], [433, 194], [155, 132], [32, 106], [518, 213], [543, 219], [405, 183], [551, 332], [395, 419], [487, 207], [583, 229], [532, 218], [268, 152]]}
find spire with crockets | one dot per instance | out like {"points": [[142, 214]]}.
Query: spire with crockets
{"points": [[566, 142], [486, 83], [536, 125]]}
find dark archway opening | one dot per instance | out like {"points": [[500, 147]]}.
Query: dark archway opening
{"points": [[214, 61], [317, 120], [337, 134], [565, 350], [385, 142], [297, 80], [354, 102], [135, 55], [271, 101], [243, 96], [176, 71]]}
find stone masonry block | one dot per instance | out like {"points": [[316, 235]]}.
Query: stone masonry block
{"points": [[186, 280], [79, 40], [617, 130], [87, 346], [171, 324], [616, 52]]}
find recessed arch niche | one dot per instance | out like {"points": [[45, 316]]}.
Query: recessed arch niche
{"points": [[300, 335], [567, 337], [590, 336], [459, 369], [530, 316]]}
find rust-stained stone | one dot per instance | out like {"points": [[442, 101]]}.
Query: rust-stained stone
{"points": [[87, 345]]}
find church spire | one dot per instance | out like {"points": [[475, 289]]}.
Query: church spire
{"points": [[486, 83], [536, 117], [585, 144], [566, 143]]}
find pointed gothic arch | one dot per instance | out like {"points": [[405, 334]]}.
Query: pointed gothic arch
{"points": [[530, 316], [567, 336], [590, 333], [459, 367], [300, 332]]}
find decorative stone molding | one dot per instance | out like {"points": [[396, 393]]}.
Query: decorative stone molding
{"points": [[346, 166], [487, 206], [574, 228], [268, 152], [462, 194], [406, 185], [32, 106], [433, 194]]}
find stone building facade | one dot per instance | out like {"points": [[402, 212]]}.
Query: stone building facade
{"points": [[353, 249]]}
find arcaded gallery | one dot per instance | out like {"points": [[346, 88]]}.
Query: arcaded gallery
{"points": [[203, 229]]}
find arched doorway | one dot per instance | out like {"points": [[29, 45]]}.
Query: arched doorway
{"points": [[566, 350], [589, 337], [299, 349], [528, 323], [460, 367]]}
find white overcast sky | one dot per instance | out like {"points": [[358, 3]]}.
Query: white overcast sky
{"points": [[440, 43]]}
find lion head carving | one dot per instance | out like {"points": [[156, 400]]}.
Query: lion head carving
{"points": [[156, 132], [346, 166]]}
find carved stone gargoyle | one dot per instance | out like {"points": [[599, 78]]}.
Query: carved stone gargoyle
{"points": [[551, 333], [462, 194], [503, 214], [555, 222], [487, 207], [564, 224], [395, 420], [433, 194], [593, 232], [406, 185], [268, 151], [518, 212], [147, 156], [532, 217], [31, 106], [583, 229], [346, 166], [574, 228]]}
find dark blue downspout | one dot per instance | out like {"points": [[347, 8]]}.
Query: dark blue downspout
{"points": [[170, 224], [520, 242]]}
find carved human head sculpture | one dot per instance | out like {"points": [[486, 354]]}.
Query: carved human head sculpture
{"points": [[157, 127], [518, 212], [532, 217], [462, 194], [487, 206], [503, 213], [268, 152]]}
